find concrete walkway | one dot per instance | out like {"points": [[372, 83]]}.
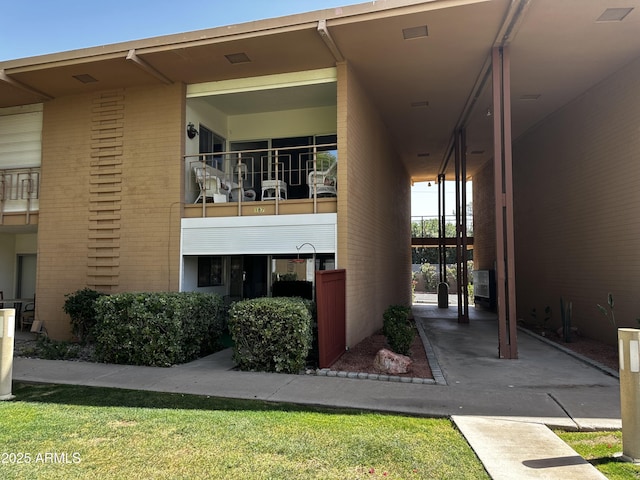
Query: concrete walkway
{"points": [[502, 407], [545, 387]]}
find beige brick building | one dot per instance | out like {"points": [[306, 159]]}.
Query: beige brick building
{"points": [[99, 170]]}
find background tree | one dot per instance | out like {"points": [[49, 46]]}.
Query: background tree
{"points": [[429, 228]]}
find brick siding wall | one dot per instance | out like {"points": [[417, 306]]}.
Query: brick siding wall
{"points": [[110, 195], [373, 212], [577, 227]]}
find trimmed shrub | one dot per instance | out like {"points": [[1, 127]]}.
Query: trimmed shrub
{"points": [[81, 307], [157, 329], [430, 277], [54, 350], [398, 329], [271, 334]]}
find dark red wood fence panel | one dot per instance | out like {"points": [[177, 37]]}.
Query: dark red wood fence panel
{"points": [[331, 305]]}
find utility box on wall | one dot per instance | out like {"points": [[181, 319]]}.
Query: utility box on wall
{"points": [[484, 289]]}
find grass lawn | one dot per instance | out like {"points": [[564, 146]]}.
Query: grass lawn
{"points": [[598, 448], [67, 432]]}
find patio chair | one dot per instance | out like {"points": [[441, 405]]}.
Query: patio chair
{"points": [[246, 195], [27, 316], [209, 185], [323, 183], [249, 195], [273, 188]]}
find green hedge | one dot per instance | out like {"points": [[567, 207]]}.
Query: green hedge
{"points": [[81, 307], [271, 334], [157, 329]]}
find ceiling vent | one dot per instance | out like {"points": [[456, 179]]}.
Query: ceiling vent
{"points": [[85, 78], [415, 32], [235, 58], [614, 14], [420, 104]]}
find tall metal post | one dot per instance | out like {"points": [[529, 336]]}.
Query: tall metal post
{"points": [[442, 246], [503, 178], [277, 183], [315, 183], [461, 230], [443, 288], [204, 190], [240, 183], [463, 222]]}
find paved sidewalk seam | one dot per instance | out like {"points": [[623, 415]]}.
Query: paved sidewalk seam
{"points": [[277, 390]]}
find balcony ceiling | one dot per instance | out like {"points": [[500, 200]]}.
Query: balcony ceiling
{"points": [[558, 51]]}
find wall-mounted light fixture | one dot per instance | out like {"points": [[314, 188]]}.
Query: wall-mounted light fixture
{"points": [[191, 130]]}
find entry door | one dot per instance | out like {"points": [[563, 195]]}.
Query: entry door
{"points": [[237, 277], [26, 282], [248, 276], [255, 268]]}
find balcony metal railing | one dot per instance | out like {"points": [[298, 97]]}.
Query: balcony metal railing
{"points": [[266, 175], [19, 190]]}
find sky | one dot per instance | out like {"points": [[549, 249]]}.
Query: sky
{"points": [[424, 199], [48, 26], [40, 27]]}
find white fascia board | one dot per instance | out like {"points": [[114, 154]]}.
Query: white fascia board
{"points": [[271, 235], [266, 82]]}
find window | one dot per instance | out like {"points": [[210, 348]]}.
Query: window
{"points": [[294, 160], [21, 139], [211, 142], [210, 271]]}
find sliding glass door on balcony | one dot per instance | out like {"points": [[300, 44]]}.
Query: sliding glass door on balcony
{"points": [[288, 161]]}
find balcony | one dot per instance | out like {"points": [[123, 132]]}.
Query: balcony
{"points": [[277, 181], [19, 195]]}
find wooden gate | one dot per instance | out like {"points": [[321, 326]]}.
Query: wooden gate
{"points": [[330, 301]]}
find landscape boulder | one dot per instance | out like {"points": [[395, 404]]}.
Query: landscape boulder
{"points": [[389, 362]]}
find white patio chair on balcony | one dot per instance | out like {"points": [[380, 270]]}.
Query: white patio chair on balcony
{"points": [[209, 185], [240, 192], [273, 188], [323, 183], [247, 195]]}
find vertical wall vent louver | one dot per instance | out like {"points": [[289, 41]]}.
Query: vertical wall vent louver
{"points": [[105, 191]]}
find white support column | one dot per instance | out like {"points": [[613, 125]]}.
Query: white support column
{"points": [[7, 332], [629, 354]]}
